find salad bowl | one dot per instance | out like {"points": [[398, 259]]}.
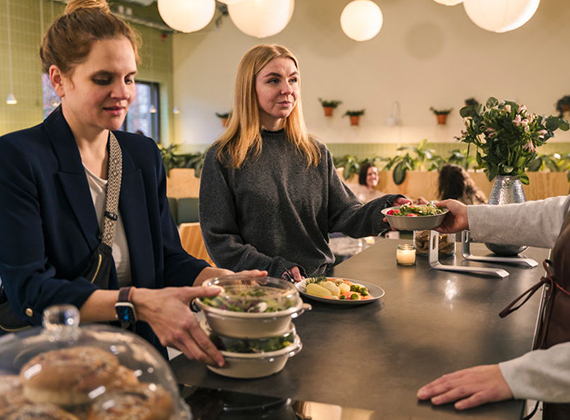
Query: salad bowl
{"points": [[416, 217], [256, 365], [251, 307]]}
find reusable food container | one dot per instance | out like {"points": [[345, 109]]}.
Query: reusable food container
{"points": [[85, 371], [250, 345], [251, 307], [257, 365], [414, 223]]}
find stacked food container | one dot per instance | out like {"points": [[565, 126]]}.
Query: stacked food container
{"points": [[250, 321]]}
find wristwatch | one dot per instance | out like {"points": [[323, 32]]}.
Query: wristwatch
{"points": [[126, 313]]}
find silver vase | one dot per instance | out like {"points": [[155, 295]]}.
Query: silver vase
{"points": [[506, 190]]}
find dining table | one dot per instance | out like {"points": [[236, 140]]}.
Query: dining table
{"points": [[375, 356]]}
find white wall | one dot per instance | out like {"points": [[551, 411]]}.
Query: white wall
{"points": [[425, 55]]}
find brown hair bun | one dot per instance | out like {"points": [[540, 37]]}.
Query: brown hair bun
{"points": [[75, 5]]}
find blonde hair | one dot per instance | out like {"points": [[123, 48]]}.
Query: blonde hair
{"points": [[242, 139], [69, 39]]}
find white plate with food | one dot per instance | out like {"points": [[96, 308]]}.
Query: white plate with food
{"points": [[340, 290]]}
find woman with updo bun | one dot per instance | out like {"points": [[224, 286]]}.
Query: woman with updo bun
{"points": [[59, 186]]}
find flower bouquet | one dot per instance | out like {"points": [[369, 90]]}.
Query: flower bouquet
{"points": [[506, 136]]}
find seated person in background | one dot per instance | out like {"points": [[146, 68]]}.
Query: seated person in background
{"points": [[270, 194], [455, 183], [366, 190], [542, 374]]}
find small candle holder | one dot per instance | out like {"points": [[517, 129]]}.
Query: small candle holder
{"points": [[406, 255]]}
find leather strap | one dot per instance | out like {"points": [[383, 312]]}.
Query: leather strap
{"points": [[124, 294], [114, 176]]}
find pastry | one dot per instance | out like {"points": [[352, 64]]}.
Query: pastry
{"points": [[37, 412], [68, 376], [146, 401]]}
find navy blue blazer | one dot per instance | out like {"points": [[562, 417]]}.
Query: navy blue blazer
{"points": [[49, 228]]}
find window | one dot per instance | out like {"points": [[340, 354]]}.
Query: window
{"points": [[141, 116], [144, 112]]}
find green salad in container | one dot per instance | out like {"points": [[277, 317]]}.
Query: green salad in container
{"points": [[255, 299], [253, 345]]}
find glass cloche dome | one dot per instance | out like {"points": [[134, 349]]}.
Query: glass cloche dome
{"points": [[93, 372]]}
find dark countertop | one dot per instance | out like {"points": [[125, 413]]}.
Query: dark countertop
{"points": [[376, 356]]}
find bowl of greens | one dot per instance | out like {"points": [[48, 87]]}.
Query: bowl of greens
{"points": [[415, 217], [251, 307], [257, 365]]}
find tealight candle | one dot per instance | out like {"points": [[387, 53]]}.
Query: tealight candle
{"points": [[406, 254]]}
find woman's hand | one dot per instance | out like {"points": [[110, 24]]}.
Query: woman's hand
{"points": [[168, 313], [469, 387], [211, 272], [293, 273], [456, 220], [400, 201]]}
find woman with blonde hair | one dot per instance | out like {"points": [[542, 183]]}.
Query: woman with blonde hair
{"points": [[270, 193], [83, 208]]}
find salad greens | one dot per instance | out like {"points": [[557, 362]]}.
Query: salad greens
{"points": [[251, 345], [257, 299], [411, 210]]}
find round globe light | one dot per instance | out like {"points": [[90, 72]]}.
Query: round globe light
{"points": [[500, 15], [361, 20], [187, 15], [228, 2], [261, 18], [449, 2]]}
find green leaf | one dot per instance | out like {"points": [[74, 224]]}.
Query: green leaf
{"points": [[524, 178], [491, 102]]}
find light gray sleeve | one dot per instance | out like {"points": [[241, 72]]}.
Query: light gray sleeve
{"points": [[540, 375], [534, 223]]}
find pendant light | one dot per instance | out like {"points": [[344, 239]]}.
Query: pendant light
{"points": [[10, 99], [449, 2], [361, 20], [261, 18], [187, 15], [500, 15]]}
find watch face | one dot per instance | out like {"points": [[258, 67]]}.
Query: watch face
{"points": [[125, 312]]}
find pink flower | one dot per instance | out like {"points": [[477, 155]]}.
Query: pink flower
{"points": [[508, 108], [517, 121], [529, 146], [541, 133], [522, 109]]}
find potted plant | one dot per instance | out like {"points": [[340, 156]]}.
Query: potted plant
{"points": [[506, 136], [328, 106], [354, 116], [224, 117], [563, 105], [441, 114]]}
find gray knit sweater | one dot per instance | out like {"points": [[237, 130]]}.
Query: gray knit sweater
{"points": [[276, 213]]}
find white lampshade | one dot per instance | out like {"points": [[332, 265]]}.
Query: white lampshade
{"points": [[449, 2], [228, 2], [187, 15], [261, 18], [500, 15], [11, 99], [361, 20]]}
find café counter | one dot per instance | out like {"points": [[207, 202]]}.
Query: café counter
{"points": [[376, 356]]}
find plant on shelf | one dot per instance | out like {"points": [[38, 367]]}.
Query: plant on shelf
{"points": [[329, 106], [224, 117], [354, 116], [441, 114], [506, 136], [563, 105]]}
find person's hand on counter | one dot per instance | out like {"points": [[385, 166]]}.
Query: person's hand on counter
{"points": [[469, 387], [456, 220]]}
